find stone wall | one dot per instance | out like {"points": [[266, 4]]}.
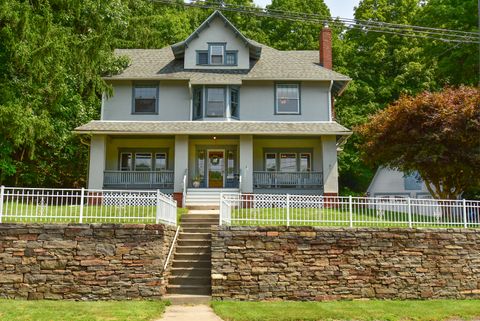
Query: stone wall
{"points": [[305, 263], [82, 261]]}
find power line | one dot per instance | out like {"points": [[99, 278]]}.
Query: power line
{"points": [[445, 35]]}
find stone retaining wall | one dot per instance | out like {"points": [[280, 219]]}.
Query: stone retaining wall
{"points": [[305, 263], [82, 261]]}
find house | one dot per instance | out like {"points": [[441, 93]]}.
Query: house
{"points": [[220, 112], [389, 183]]}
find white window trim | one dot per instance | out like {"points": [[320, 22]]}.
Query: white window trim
{"points": [[298, 100]]}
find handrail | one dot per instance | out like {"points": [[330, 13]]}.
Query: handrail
{"points": [[184, 195], [171, 248]]}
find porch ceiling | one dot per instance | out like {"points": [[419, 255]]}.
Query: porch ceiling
{"points": [[213, 127]]}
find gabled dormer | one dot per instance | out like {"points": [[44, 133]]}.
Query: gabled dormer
{"points": [[216, 44]]}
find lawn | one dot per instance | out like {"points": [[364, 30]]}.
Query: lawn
{"points": [[435, 310], [17, 310], [311, 216], [18, 212]]}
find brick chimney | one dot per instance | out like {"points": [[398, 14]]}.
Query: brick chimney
{"points": [[325, 47]]}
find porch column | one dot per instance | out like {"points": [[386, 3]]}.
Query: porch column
{"points": [[246, 163], [330, 165], [181, 161], [98, 145]]}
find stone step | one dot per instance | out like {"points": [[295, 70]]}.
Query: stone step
{"points": [[202, 216], [211, 221], [191, 263], [194, 242], [179, 271], [188, 289], [193, 249], [196, 224], [193, 256], [184, 299], [194, 236], [205, 211], [190, 280], [197, 229]]}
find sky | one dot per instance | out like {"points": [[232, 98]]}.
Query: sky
{"points": [[338, 8]]}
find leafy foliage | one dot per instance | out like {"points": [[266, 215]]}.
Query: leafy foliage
{"points": [[436, 134]]}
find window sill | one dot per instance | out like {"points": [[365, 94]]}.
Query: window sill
{"points": [[144, 113]]}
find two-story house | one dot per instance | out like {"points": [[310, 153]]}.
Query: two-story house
{"points": [[219, 111]]}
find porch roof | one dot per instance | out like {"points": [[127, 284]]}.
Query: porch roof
{"points": [[213, 128]]}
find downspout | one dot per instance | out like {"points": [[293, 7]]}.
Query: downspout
{"points": [[330, 109]]}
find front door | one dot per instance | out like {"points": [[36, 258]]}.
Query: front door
{"points": [[216, 168]]}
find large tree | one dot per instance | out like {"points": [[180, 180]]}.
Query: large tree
{"points": [[436, 134]]}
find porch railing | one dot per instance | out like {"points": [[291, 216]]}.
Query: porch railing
{"points": [[152, 179], [305, 180], [48, 205], [318, 210]]}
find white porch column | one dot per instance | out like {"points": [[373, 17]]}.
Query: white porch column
{"points": [[98, 146], [330, 164], [246, 162], [181, 161]]}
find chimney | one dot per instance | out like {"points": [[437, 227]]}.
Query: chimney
{"points": [[325, 47]]}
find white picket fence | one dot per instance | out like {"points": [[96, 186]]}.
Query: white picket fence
{"points": [[298, 210], [49, 205]]}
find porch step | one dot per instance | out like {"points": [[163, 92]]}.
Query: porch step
{"points": [[201, 216], [211, 221], [206, 196]]}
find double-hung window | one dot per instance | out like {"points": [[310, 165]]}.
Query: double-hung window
{"points": [[145, 99], [217, 53], [215, 102], [234, 102], [288, 161], [143, 161], [287, 99]]}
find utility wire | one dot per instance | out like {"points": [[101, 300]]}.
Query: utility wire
{"points": [[445, 35]]}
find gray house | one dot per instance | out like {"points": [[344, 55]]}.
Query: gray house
{"points": [[220, 112]]}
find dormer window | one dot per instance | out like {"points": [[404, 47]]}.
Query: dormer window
{"points": [[217, 55]]}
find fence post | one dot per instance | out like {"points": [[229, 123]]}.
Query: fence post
{"points": [[409, 202], [2, 193], [81, 204], [157, 215], [350, 209], [465, 223], [288, 209]]}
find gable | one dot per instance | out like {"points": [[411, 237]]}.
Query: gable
{"points": [[217, 33]]}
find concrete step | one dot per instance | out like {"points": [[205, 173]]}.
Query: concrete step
{"points": [[202, 216], [190, 280], [189, 271], [188, 289], [194, 236], [192, 249], [193, 256], [195, 207], [211, 221], [183, 299], [194, 242], [196, 224], [191, 263]]}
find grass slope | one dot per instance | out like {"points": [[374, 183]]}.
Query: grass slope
{"points": [[17, 310], [435, 310]]}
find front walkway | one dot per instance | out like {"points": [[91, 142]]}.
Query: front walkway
{"points": [[189, 313]]}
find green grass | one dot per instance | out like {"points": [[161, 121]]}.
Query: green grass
{"points": [[39, 213], [336, 217], [435, 310], [17, 310]]}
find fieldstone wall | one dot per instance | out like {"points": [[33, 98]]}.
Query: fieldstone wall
{"points": [[306, 263], [82, 261]]}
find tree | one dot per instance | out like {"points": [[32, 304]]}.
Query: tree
{"points": [[436, 134]]}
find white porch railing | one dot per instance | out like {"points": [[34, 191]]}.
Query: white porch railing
{"points": [[44, 205], [154, 179], [305, 180], [285, 209]]}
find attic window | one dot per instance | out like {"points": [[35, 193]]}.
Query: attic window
{"points": [[216, 54]]}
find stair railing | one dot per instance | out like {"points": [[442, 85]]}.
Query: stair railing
{"points": [[185, 181], [171, 248]]}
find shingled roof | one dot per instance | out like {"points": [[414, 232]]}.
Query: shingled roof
{"points": [[213, 127]]}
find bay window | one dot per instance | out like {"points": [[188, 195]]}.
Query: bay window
{"points": [[215, 102]]}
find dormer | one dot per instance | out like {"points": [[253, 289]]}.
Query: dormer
{"points": [[216, 44]]}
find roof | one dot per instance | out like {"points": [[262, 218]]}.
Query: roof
{"points": [[179, 48], [213, 127]]}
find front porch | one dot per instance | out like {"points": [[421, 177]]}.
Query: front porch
{"points": [[247, 163]]}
